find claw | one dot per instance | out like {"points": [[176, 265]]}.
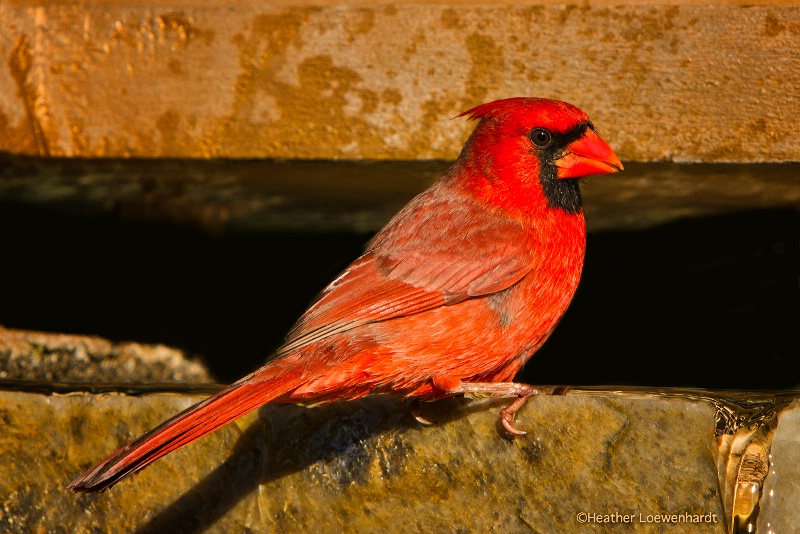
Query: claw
{"points": [[415, 412], [507, 418], [421, 420], [507, 414], [522, 392]]}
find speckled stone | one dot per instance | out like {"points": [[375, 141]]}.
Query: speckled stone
{"points": [[367, 466], [52, 357], [781, 490]]}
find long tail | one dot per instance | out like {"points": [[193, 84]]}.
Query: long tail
{"points": [[193, 423]]}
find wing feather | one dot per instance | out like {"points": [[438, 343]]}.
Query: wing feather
{"points": [[442, 248]]}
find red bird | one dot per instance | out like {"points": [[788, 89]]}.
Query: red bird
{"points": [[451, 297]]}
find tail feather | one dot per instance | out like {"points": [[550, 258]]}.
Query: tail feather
{"points": [[196, 421]]}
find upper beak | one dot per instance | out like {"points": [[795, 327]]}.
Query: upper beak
{"points": [[587, 155]]}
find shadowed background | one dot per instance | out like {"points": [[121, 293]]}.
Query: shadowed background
{"points": [[697, 289], [273, 140]]}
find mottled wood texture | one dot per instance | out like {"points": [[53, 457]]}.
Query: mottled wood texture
{"points": [[307, 80]]}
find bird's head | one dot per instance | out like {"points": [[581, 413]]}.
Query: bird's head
{"points": [[534, 144]]}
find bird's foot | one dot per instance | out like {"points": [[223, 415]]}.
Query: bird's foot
{"points": [[508, 389], [507, 417]]}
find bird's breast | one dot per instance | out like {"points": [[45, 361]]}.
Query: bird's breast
{"points": [[487, 338]]}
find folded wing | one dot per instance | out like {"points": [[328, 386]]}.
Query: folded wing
{"points": [[459, 250]]}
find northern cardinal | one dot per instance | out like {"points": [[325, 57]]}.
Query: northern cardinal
{"points": [[451, 297]]}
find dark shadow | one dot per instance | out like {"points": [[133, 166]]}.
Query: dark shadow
{"points": [[287, 438], [230, 300], [710, 302]]}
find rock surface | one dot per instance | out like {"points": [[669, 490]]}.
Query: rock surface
{"points": [[48, 357], [367, 466]]}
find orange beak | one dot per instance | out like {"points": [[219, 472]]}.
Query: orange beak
{"points": [[587, 155]]}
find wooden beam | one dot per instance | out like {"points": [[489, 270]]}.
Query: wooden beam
{"points": [[310, 80]]}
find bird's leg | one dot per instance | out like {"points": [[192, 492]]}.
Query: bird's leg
{"points": [[507, 389]]}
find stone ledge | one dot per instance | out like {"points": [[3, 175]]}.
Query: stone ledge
{"points": [[50, 357], [366, 465], [360, 465], [194, 80]]}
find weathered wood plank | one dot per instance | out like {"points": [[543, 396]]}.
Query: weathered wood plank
{"points": [[200, 79]]}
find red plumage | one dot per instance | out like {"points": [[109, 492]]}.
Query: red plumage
{"points": [[452, 296]]}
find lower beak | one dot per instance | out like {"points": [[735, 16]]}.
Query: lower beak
{"points": [[586, 156]]}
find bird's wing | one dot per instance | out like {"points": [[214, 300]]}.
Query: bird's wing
{"points": [[436, 252]]}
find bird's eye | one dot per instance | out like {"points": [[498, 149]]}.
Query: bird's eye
{"points": [[540, 137]]}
